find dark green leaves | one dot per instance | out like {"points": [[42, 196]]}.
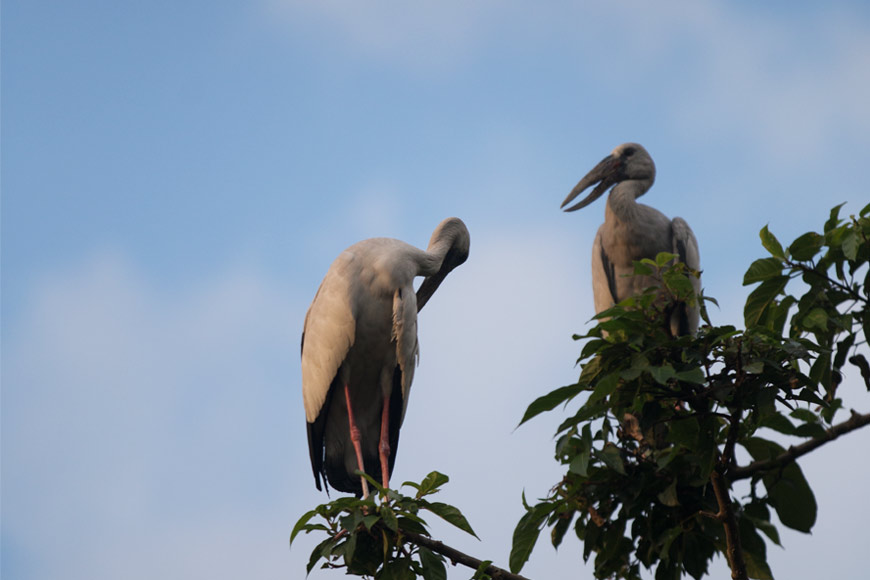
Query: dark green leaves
{"points": [[661, 414], [367, 537], [526, 534], [787, 490], [761, 298]]}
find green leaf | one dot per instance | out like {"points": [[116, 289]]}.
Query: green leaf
{"points": [[834, 219], [684, 432], [549, 401], [850, 245], [433, 566], [450, 514], [662, 374], [771, 244], [526, 535], [754, 551], [481, 570], [301, 524], [662, 258], [642, 269], [762, 269], [694, 376], [778, 422], [560, 527], [389, 518], [816, 318], [580, 463], [430, 484], [806, 246], [604, 388], [754, 368], [321, 550], [611, 457], [371, 520], [669, 496], [760, 298], [787, 490]]}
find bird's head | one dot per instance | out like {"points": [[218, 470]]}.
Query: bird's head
{"points": [[451, 242], [629, 161]]}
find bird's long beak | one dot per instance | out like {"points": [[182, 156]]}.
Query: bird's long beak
{"points": [[606, 172], [428, 287]]}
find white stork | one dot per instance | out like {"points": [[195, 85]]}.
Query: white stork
{"points": [[359, 348], [632, 231]]}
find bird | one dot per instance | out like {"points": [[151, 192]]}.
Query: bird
{"points": [[359, 349], [633, 231]]}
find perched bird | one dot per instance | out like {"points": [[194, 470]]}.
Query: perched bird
{"points": [[359, 348], [632, 231]]}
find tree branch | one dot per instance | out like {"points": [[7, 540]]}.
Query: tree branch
{"points": [[856, 421], [458, 557], [734, 549]]}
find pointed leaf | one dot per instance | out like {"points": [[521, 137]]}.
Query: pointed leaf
{"points": [[433, 566], [762, 269], [301, 524], [549, 401], [611, 457], [389, 518], [850, 245], [450, 514], [431, 483], [787, 489], [816, 318], [604, 388], [806, 246], [771, 244], [669, 496], [760, 298], [526, 536], [834, 219], [580, 463], [662, 374]]}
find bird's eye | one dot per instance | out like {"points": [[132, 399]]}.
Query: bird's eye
{"points": [[628, 152]]}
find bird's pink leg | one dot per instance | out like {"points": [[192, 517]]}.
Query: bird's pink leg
{"points": [[384, 446], [355, 439]]}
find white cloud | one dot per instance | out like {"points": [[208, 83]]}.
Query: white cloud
{"points": [[791, 86], [434, 35], [130, 415], [795, 85]]}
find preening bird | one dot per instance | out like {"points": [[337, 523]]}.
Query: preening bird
{"points": [[359, 349], [632, 231]]}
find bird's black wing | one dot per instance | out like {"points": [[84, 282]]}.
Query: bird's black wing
{"points": [[610, 272]]}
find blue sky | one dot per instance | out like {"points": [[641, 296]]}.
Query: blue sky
{"points": [[177, 178]]}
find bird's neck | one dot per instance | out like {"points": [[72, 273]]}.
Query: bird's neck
{"points": [[622, 199]]}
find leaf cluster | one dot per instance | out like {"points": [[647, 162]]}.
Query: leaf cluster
{"points": [[367, 537], [653, 417]]}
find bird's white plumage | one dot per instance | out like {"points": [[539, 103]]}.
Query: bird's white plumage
{"points": [[360, 333]]}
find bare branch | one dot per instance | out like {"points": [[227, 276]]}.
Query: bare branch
{"points": [[458, 557], [734, 549], [856, 421]]}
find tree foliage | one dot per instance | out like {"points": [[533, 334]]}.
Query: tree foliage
{"points": [[651, 454], [658, 429]]}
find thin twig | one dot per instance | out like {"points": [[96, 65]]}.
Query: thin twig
{"points": [[458, 557], [794, 452]]}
